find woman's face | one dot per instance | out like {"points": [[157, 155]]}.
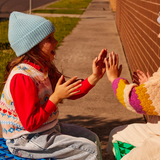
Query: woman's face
{"points": [[48, 46]]}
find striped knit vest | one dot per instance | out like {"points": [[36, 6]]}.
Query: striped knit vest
{"points": [[11, 125]]}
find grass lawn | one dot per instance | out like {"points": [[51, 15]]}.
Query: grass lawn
{"points": [[63, 26], [76, 4], [4, 31], [5, 56], [66, 7], [59, 11]]}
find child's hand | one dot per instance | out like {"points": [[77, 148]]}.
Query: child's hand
{"points": [[139, 77], [65, 90], [112, 69], [98, 67]]}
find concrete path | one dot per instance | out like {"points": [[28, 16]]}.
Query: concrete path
{"points": [[99, 110], [57, 15]]}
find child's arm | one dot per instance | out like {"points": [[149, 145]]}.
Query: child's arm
{"points": [[83, 90], [143, 99], [98, 68], [26, 101]]}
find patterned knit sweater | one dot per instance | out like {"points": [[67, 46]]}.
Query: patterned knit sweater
{"points": [[11, 124], [143, 99]]}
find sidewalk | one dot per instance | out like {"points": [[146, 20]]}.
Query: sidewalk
{"points": [[99, 110]]}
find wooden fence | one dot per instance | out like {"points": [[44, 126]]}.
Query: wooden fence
{"points": [[138, 28]]}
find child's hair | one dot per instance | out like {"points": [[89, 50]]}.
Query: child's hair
{"points": [[36, 56], [25, 33]]}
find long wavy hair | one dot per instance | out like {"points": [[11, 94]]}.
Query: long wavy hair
{"points": [[36, 56]]}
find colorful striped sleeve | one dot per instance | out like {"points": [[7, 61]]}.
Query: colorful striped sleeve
{"points": [[136, 98]]}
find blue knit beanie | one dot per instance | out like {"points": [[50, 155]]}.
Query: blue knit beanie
{"points": [[26, 31]]}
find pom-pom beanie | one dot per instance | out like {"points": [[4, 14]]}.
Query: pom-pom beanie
{"points": [[26, 31]]}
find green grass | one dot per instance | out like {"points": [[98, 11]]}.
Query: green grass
{"points": [[5, 56], [4, 35], [76, 4], [63, 26], [66, 7], [59, 11], [4, 31]]}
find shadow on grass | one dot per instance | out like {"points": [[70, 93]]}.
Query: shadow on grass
{"points": [[100, 126], [4, 46], [3, 19]]}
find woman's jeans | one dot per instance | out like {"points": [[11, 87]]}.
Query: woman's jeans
{"points": [[64, 141]]}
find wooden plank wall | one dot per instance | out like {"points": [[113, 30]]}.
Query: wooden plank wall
{"points": [[138, 28]]}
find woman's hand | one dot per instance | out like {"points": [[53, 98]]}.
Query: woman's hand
{"points": [[98, 67], [139, 77], [65, 90], [112, 69]]}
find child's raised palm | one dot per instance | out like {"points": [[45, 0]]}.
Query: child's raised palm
{"points": [[112, 67], [98, 66]]}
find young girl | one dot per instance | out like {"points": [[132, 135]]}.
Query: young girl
{"points": [[143, 98], [33, 89]]}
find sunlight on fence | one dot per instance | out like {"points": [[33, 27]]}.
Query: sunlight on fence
{"points": [[138, 28]]}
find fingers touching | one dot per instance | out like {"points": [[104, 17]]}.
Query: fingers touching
{"points": [[102, 54]]}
